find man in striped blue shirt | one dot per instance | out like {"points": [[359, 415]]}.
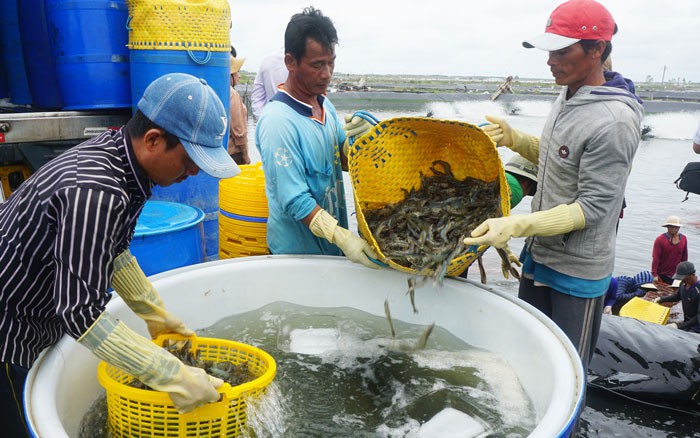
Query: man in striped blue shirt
{"points": [[65, 234]]}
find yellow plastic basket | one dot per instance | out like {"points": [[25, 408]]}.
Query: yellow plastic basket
{"points": [[243, 213], [179, 25], [645, 310], [244, 194], [134, 412], [256, 230], [392, 156]]}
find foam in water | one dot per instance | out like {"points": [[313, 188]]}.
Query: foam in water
{"points": [[451, 423], [313, 341], [337, 376], [677, 125]]}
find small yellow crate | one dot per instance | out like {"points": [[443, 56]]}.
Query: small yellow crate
{"points": [[255, 230], [134, 412], [393, 155], [645, 310], [244, 194], [179, 25]]}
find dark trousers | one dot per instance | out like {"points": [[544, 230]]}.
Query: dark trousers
{"points": [[578, 318], [11, 393]]}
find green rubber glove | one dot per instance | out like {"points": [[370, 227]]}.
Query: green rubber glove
{"points": [[356, 126], [118, 345], [527, 146], [354, 247], [497, 232], [138, 293]]}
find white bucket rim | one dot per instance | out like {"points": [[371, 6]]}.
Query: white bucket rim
{"points": [[552, 413]]}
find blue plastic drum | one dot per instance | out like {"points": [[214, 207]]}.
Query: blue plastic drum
{"points": [[148, 65], [12, 57], [168, 235], [201, 191], [88, 43], [36, 47]]}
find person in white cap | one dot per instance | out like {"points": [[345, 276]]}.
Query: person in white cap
{"points": [[584, 157], [64, 241], [238, 131], [689, 294], [670, 248]]}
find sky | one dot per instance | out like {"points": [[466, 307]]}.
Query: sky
{"points": [[469, 38]]}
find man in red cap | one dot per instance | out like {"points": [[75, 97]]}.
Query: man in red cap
{"points": [[584, 156]]}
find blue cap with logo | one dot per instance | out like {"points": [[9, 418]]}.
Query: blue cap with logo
{"points": [[188, 108]]}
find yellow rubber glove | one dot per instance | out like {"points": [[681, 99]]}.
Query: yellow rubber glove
{"points": [[355, 248], [526, 145], [356, 126], [118, 345], [498, 231], [138, 293]]}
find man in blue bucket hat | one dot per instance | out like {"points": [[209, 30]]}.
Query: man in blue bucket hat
{"points": [[64, 239]]}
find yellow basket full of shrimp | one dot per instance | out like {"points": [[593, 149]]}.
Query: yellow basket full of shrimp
{"points": [[133, 409], [421, 185]]}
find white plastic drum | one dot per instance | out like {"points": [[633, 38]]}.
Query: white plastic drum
{"points": [[63, 383]]}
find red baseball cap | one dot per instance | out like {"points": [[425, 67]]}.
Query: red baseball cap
{"points": [[572, 22]]}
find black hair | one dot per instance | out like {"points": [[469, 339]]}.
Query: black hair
{"points": [[310, 23], [139, 124], [233, 52], [588, 45]]}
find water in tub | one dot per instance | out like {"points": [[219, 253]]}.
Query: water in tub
{"points": [[339, 375]]}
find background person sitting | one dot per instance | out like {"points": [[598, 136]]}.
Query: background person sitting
{"points": [[623, 288], [670, 248], [689, 294]]}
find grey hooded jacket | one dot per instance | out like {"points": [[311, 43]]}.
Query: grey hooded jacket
{"points": [[586, 152]]}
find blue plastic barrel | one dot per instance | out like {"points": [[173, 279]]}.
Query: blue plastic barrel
{"points": [[88, 44], [148, 65], [168, 235], [36, 48], [3, 84], [3, 77], [12, 56], [201, 191]]}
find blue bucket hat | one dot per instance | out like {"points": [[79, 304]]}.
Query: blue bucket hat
{"points": [[188, 108]]}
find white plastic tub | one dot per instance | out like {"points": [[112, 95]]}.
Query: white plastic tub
{"points": [[62, 384]]}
